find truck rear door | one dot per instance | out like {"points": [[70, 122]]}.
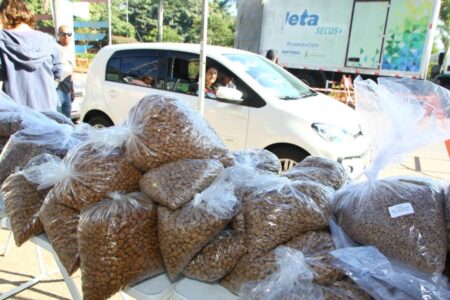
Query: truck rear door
{"points": [[366, 34]]}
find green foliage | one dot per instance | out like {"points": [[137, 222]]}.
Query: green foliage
{"points": [[444, 27], [117, 39]]}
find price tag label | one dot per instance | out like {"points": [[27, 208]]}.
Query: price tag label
{"points": [[402, 209]]}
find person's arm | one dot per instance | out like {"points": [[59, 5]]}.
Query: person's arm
{"points": [[57, 68]]}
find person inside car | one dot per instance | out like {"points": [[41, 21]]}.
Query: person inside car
{"points": [[210, 83]]}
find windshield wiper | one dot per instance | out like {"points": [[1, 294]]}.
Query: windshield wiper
{"points": [[309, 94], [288, 98]]}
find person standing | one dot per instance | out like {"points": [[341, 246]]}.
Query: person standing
{"points": [[65, 87], [29, 58]]}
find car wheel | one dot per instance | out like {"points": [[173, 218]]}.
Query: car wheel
{"points": [[289, 156], [100, 122]]}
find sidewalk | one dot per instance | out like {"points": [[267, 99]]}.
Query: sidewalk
{"points": [[433, 161]]}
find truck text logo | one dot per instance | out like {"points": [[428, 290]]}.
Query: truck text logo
{"points": [[303, 19]]}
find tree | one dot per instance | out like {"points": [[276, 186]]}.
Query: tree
{"points": [[444, 27]]}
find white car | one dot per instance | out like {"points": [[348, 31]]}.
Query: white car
{"points": [[276, 110]]}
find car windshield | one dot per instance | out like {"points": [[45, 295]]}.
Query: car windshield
{"points": [[275, 80]]}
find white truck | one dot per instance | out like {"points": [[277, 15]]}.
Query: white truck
{"points": [[321, 40]]}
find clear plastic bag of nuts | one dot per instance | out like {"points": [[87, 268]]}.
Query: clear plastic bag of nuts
{"points": [[383, 278], [277, 209], [23, 201], [60, 224], [15, 117], [447, 213], [164, 129], [184, 232], [176, 183], [315, 246], [260, 159], [46, 136], [218, 258], [90, 171], [292, 280], [404, 219], [319, 169], [118, 244]]}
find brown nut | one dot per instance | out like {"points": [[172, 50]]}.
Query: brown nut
{"points": [[96, 173], [118, 244], [277, 213], [417, 237], [166, 129], [218, 258], [183, 233], [60, 223], [327, 172], [23, 201], [176, 183]]}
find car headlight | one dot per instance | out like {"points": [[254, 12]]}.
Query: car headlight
{"points": [[332, 133]]}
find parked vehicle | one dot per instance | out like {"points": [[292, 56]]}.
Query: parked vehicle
{"points": [[274, 109], [321, 40], [440, 73]]}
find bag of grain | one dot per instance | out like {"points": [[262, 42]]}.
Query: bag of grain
{"points": [[176, 183], [260, 159], [315, 246], [43, 137], [118, 244], [184, 232], [277, 209], [60, 223], [292, 280], [385, 279], [23, 201], [323, 170], [217, 258], [164, 129], [403, 217]]}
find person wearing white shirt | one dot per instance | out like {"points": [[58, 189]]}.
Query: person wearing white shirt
{"points": [[65, 87]]}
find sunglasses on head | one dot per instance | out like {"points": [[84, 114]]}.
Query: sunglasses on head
{"points": [[65, 33]]}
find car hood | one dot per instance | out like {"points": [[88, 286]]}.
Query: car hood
{"points": [[323, 109]]}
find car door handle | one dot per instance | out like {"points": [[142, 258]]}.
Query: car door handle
{"points": [[112, 93]]}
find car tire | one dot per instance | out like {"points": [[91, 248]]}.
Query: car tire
{"points": [[289, 156], [100, 122]]}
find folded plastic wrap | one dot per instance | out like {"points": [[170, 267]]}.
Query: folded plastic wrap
{"points": [[60, 223], [23, 201], [385, 279], [403, 219], [22, 146], [260, 159], [217, 258], [315, 246], [164, 129], [327, 172], [118, 244], [176, 183], [277, 209], [184, 232]]}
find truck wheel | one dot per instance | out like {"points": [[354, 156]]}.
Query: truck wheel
{"points": [[289, 156], [100, 122]]}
